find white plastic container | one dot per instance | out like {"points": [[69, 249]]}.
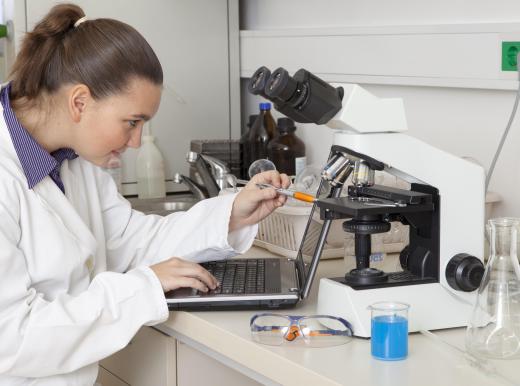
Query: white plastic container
{"points": [[150, 168], [114, 168], [281, 232]]}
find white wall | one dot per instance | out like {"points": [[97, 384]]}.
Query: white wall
{"points": [[194, 51], [463, 121]]}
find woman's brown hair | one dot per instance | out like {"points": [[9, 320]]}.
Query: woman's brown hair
{"points": [[103, 54]]}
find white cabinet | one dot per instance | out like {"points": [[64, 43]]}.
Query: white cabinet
{"points": [[155, 359], [195, 368], [149, 359], [106, 378]]}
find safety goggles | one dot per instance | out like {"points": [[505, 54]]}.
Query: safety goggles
{"points": [[316, 330]]}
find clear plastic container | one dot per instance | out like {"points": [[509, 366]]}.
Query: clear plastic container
{"points": [[151, 180], [114, 168]]}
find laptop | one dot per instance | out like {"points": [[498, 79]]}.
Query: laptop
{"points": [[269, 283]]}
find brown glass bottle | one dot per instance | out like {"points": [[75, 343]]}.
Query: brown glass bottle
{"points": [[245, 150], [286, 150], [262, 131]]}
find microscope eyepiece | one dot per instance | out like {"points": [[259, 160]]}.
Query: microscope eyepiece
{"points": [[281, 85], [303, 97], [258, 81]]}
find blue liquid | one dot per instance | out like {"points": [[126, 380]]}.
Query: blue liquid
{"points": [[389, 340]]}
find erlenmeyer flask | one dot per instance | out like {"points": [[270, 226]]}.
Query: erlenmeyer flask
{"points": [[494, 329]]}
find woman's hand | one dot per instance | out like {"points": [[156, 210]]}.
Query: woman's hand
{"points": [[253, 204], [176, 273]]}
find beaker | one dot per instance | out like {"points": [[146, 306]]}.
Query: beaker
{"points": [[389, 330], [494, 328]]}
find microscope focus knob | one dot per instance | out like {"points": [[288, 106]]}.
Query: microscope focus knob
{"points": [[464, 272], [364, 227], [403, 257]]}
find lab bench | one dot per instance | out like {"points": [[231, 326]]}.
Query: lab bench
{"points": [[215, 348]]}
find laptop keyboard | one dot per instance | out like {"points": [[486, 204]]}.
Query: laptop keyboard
{"points": [[238, 276]]}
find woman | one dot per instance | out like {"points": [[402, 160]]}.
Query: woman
{"points": [[80, 271]]}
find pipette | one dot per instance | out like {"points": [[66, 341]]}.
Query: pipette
{"points": [[287, 192]]}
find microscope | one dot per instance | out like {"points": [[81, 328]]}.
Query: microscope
{"points": [[442, 266]]}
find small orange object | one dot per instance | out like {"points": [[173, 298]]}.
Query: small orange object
{"points": [[293, 333], [291, 193], [304, 197]]}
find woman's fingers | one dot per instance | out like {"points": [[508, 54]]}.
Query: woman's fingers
{"points": [[188, 282], [264, 194], [270, 177], [281, 199], [198, 273], [286, 181], [253, 204], [176, 273]]}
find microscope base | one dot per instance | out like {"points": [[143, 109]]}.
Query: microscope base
{"points": [[432, 306]]}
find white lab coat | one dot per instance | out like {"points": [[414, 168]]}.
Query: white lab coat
{"points": [[74, 285]]}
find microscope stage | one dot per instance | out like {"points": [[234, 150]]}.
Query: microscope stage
{"points": [[345, 205], [380, 199]]}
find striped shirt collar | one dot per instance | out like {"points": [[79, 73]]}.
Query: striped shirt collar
{"points": [[36, 162]]}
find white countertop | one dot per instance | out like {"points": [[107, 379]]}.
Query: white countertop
{"points": [[225, 336]]}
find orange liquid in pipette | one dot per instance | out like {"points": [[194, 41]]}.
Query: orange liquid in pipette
{"points": [[304, 197]]}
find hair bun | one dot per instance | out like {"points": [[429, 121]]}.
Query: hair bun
{"points": [[59, 20]]}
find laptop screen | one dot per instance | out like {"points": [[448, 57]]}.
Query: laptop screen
{"points": [[311, 247]]}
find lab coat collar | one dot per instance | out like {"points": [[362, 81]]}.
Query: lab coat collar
{"points": [[35, 160]]}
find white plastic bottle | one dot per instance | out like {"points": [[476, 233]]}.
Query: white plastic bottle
{"points": [[150, 168], [114, 168]]}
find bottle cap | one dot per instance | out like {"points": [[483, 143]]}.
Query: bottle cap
{"points": [[252, 119], [265, 106], [285, 125]]}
